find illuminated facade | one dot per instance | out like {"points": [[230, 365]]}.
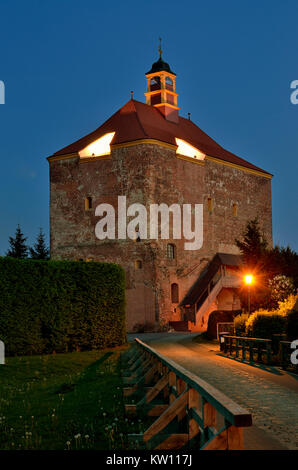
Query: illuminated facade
{"points": [[152, 155]]}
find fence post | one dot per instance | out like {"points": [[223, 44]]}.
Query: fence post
{"points": [[237, 347], [231, 345], [283, 362], [259, 351], [251, 350], [268, 349], [243, 349]]}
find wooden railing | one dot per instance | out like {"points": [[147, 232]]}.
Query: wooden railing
{"points": [[186, 410], [257, 348]]}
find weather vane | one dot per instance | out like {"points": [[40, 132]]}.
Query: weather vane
{"points": [[159, 48]]}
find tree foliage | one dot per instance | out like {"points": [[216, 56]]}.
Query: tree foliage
{"points": [[266, 264], [18, 247], [253, 245], [40, 250]]}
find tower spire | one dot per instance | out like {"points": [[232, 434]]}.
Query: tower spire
{"points": [[159, 47], [161, 91]]}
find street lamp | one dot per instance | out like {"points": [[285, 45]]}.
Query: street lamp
{"points": [[248, 279]]}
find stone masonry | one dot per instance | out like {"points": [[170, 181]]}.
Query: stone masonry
{"points": [[149, 173]]}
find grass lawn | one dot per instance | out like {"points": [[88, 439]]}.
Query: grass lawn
{"points": [[63, 401]]}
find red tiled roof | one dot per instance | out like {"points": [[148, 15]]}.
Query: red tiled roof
{"points": [[136, 120]]}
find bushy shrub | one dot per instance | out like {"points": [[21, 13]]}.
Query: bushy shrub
{"points": [[60, 306], [281, 287], [265, 324], [287, 305], [292, 325], [240, 324]]}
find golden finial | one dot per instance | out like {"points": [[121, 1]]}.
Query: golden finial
{"points": [[159, 48]]}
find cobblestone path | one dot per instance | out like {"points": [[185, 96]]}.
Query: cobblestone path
{"points": [[270, 395]]}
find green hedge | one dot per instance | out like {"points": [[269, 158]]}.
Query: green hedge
{"points": [[60, 306], [265, 325], [240, 324]]}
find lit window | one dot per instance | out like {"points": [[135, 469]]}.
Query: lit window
{"points": [[235, 210], [188, 150], [99, 147], [88, 203], [174, 293], [210, 204], [171, 251]]}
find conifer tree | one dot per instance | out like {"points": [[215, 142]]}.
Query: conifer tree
{"points": [[253, 246], [18, 247], [40, 250]]}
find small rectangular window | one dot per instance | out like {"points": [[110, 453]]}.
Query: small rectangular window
{"points": [[235, 210], [171, 251], [88, 203]]}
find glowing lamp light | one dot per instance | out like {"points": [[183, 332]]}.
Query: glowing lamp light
{"points": [[248, 279], [188, 150], [99, 147]]}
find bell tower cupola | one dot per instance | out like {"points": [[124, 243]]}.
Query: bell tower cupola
{"points": [[161, 89]]}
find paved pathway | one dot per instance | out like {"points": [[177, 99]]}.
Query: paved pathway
{"points": [[271, 395]]}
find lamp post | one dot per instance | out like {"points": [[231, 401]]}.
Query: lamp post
{"points": [[248, 279]]}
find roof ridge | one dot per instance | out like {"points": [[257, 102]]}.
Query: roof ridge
{"points": [[138, 118]]}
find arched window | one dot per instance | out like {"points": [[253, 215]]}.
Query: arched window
{"points": [[155, 83], [235, 209], [171, 251], [174, 293], [88, 203], [138, 264]]}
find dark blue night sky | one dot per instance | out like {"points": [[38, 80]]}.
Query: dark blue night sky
{"points": [[68, 65]]}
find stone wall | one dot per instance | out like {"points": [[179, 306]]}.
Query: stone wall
{"points": [[146, 174]]}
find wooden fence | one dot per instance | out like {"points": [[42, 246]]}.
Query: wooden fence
{"points": [[185, 410], [257, 348], [227, 327]]}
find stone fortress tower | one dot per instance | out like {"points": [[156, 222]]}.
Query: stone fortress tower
{"points": [[151, 155]]}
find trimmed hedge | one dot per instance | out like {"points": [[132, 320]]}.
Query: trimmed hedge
{"points": [[264, 325], [60, 306], [240, 324]]}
